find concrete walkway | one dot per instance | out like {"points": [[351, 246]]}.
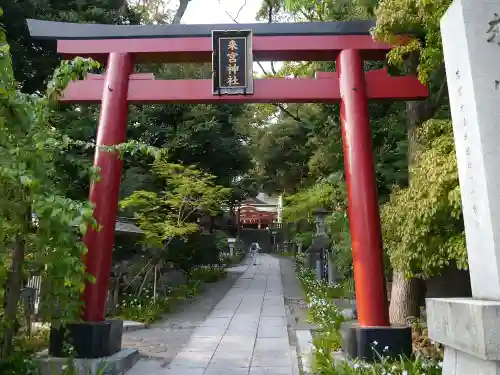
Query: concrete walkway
{"points": [[246, 333]]}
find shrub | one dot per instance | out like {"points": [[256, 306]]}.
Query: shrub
{"points": [[239, 254], [221, 241], [38, 341], [322, 310], [197, 249], [186, 291], [18, 363], [418, 366], [143, 308], [207, 274], [228, 260], [422, 345], [325, 314]]}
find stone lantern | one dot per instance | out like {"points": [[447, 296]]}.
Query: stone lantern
{"points": [[319, 249], [321, 214], [231, 242], [286, 246], [274, 236], [299, 244]]}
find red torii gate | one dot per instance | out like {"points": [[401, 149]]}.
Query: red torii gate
{"points": [[347, 43]]}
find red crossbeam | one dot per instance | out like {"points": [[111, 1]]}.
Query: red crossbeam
{"points": [[143, 89], [265, 48]]}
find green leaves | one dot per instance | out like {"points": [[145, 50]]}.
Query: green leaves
{"points": [[172, 212], [418, 19], [33, 210], [328, 193], [67, 72], [325, 10], [422, 224], [133, 147]]}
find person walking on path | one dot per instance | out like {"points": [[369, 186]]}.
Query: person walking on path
{"points": [[254, 248]]}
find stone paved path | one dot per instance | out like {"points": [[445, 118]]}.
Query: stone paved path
{"points": [[161, 342], [246, 333]]}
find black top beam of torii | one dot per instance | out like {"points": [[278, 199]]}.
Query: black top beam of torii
{"points": [[80, 31]]}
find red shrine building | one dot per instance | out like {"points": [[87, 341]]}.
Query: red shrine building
{"points": [[260, 212]]}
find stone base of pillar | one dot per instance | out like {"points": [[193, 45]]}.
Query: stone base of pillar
{"points": [[369, 343], [88, 339], [469, 329]]}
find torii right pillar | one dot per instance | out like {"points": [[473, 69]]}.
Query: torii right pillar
{"points": [[372, 325]]}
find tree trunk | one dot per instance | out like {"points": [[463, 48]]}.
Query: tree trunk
{"points": [[404, 299], [12, 296], [183, 4], [405, 292], [416, 112]]}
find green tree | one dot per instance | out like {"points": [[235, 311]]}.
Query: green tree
{"points": [[421, 54], [159, 11], [319, 153], [172, 212], [209, 136], [419, 20], [328, 193], [309, 10], [169, 216], [52, 243], [423, 223], [281, 156], [35, 60]]}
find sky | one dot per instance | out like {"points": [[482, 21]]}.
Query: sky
{"points": [[216, 11]]}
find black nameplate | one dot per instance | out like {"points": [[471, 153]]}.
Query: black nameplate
{"points": [[232, 62]]}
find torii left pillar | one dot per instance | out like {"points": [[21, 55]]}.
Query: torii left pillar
{"points": [[104, 195], [96, 337]]}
